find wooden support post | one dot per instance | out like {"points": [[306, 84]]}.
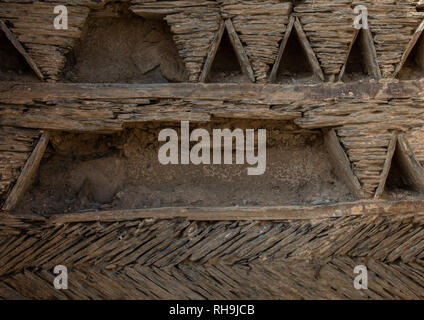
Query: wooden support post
{"points": [[387, 165], [341, 163], [412, 171], [27, 173], [213, 49], [342, 71], [409, 48], [239, 50], [274, 72], [370, 54], [21, 49], [312, 59]]}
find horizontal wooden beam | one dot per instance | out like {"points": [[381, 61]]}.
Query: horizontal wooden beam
{"points": [[14, 92], [108, 107], [249, 213]]}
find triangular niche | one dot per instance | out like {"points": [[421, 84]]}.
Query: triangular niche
{"points": [[396, 183], [406, 176], [13, 65], [227, 61], [361, 61], [296, 62], [119, 46], [225, 67], [412, 62]]}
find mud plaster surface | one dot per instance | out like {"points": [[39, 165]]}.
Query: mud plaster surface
{"points": [[127, 49], [122, 171]]}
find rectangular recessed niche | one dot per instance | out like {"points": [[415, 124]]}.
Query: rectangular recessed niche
{"points": [[122, 171]]}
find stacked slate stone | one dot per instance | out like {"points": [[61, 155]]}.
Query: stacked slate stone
{"points": [[261, 25], [193, 34], [328, 24], [392, 23], [32, 24], [367, 150], [194, 25]]}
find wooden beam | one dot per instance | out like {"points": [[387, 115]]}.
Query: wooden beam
{"points": [[417, 34], [239, 50], [154, 14], [27, 173], [26, 93], [274, 71], [387, 165], [412, 171], [15, 42], [341, 163], [281, 213], [213, 49], [107, 107], [310, 54]]}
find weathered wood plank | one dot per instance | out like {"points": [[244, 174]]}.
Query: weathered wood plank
{"points": [[274, 71], [22, 93], [341, 163], [364, 207], [387, 165], [370, 54], [342, 71], [212, 52], [27, 173], [411, 168], [106, 107]]}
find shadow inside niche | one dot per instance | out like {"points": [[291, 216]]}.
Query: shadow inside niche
{"points": [[294, 67], [356, 67], [225, 67], [397, 187], [413, 68], [13, 66]]}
